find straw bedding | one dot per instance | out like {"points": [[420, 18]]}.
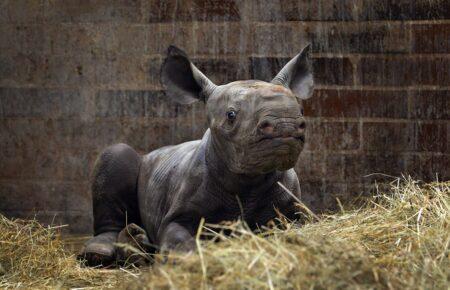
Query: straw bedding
{"points": [[399, 239]]}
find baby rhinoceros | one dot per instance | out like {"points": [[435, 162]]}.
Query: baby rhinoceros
{"points": [[255, 135]]}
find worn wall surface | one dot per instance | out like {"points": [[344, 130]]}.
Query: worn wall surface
{"points": [[78, 75]]}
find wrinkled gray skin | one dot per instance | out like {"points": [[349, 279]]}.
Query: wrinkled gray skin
{"points": [[255, 135]]}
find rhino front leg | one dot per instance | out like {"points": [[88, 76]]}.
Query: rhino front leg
{"points": [[114, 198], [176, 237]]}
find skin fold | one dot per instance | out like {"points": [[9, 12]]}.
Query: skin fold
{"points": [[255, 136]]}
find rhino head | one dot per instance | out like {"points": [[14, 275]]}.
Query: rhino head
{"points": [[256, 127]]}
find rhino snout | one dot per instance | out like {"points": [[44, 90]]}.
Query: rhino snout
{"points": [[282, 128]]}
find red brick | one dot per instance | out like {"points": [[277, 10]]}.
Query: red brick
{"points": [[46, 163], [127, 71], [432, 137], [274, 39], [146, 134], [319, 166], [321, 196], [404, 71], [341, 37], [430, 167], [345, 192], [357, 104], [41, 103], [78, 222], [199, 38], [26, 195], [28, 135], [389, 137], [222, 71], [309, 167], [333, 71], [356, 37], [141, 134], [71, 39], [430, 105], [21, 70], [22, 11], [179, 34], [448, 134], [48, 71], [311, 194], [403, 9], [122, 11], [353, 167], [117, 103], [158, 105], [100, 38], [431, 38], [18, 161], [23, 39], [220, 38], [132, 131], [332, 136], [370, 167], [75, 167], [327, 71], [3, 16], [332, 162], [47, 134], [192, 10], [188, 129], [138, 103], [273, 10]]}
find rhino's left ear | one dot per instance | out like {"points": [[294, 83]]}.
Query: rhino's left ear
{"points": [[297, 75], [182, 80]]}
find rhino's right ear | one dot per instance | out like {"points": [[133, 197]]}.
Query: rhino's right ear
{"points": [[184, 82]]}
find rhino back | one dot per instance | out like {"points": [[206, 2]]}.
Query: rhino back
{"points": [[165, 173]]}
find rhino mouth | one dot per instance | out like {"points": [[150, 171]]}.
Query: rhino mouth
{"points": [[281, 146], [282, 139]]}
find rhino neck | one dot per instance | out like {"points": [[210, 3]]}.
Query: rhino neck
{"points": [[233, 183]]}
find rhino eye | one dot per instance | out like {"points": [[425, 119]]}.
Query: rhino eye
{"points": [[231, 115]]}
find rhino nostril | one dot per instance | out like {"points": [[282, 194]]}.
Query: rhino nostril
{"points": [[264, 124], [266, 127], [302, 125]]}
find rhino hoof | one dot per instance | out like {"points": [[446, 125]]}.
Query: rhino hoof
{"points": [[100, 250], [133, 246]]}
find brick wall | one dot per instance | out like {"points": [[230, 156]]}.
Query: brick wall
{"points": [[76, 76]]}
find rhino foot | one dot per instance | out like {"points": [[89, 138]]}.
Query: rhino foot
{"points": [[100, 250], [133, 246]]}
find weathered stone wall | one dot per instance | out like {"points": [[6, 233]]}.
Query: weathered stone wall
{"points": [[76, 76]]}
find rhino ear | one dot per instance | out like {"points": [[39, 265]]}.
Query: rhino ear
{"points": [[184, 82], [297, 75]]}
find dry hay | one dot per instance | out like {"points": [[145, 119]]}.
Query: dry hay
{"points": [[34, 257], [399, 240]]}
